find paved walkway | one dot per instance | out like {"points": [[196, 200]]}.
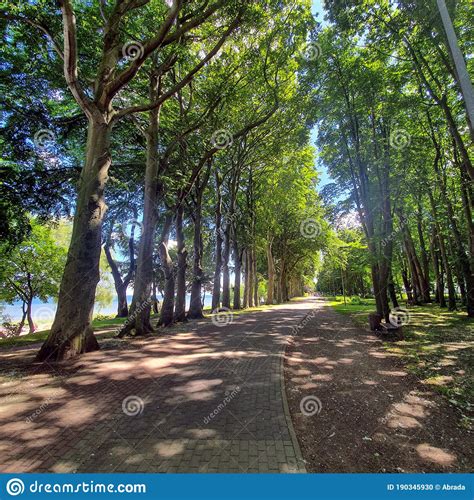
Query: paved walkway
{"points": [[205, 399]]}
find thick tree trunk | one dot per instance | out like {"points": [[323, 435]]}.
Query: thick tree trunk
{"points": [[140, 308], [71, 333], [225, 269], [246, 279], [196, 306], [216, 290], [440, 298], [237, 274], [271, 271], [180, 306], [166, 315], [392, 294], [255, 278], [424, 258]]}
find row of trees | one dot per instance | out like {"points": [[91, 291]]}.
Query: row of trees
{"points": [[395, 132], [196, 121]]}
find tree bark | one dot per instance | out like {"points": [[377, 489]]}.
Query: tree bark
{"points": [[196, 306], [71, 333], [216, 290], [237, 273], [271, 271], [31, 323], [166, 315], [180, 307], [225, 268]]}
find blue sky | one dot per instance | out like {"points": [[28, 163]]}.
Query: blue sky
{"points": [[318, 12]]}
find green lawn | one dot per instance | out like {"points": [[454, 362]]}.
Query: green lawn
{"points": [[106, 327], [438, 349]]}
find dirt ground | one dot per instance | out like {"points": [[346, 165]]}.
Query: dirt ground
{"points": [[356, 409]]}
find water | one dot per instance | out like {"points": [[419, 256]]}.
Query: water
{"points": [[43, 312]]}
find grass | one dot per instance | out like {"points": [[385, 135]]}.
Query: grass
{"points": [[106, 327], [438, 349], [106, 324]]}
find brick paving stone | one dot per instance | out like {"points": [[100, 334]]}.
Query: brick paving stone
{"points": [[205, 399]]}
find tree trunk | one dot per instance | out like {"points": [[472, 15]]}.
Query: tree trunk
{"points": [[140, 308], [166, 315], [71, 333], [392, 294], [424, 258], [180, 307], [438, 273], [21, 324], [31, 323], [216, 290], [271, 271], [237, 274], [120, 289], [255, 278], [196, 306], [246, 279], [225, 269]]}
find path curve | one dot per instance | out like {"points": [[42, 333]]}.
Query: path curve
{"points": [[203, 399]]}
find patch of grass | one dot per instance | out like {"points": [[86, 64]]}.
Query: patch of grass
{"points": [[438, 348], [106, 324]]}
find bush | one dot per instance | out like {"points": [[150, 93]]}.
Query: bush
{"points": [[103, 317], [356, 300]]}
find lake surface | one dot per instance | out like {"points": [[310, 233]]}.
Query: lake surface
{"points": [[43, 312]]}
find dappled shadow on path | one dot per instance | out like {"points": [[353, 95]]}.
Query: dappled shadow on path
{"points": [[204, 399], [374, 416]]}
